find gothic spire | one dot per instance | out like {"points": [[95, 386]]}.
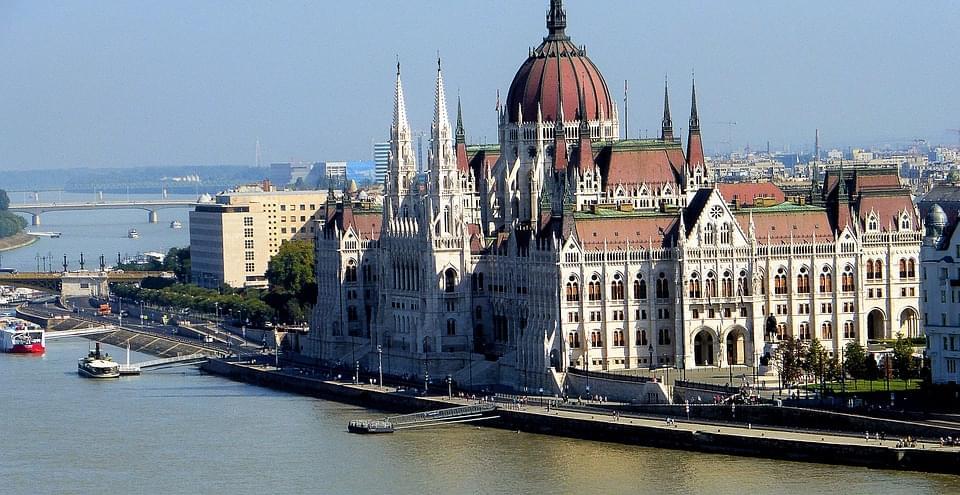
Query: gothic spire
{"points": [[461, 134], [694, 118], [556, 20], [440, 116], [666, 132], [399, 105]]}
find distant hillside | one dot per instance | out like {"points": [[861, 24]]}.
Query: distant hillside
{"points": [[135, 179]]}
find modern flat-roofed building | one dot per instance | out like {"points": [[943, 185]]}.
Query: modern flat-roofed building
{"points": [[233, 238], [381, 157]]}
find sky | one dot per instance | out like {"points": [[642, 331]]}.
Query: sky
{"points": [[178, 82]]}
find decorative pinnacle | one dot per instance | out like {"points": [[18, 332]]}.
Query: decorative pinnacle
{"points": [[556, 20], [461, 134], [694, 118], [399, 105]]}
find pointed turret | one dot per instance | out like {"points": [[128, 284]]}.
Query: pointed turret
{"points": [[666, 130], [694, 143], [402, 165], [461, 141], [585, 153], [442, 135], [399, 106]]}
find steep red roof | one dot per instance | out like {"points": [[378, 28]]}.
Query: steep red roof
{"points": [[780, 225], [617, 233], [888, 208], [747, 192], [641, 166], [694, 149]]}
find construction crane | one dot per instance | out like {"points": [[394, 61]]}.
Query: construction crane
{"points": [[729, 141]]}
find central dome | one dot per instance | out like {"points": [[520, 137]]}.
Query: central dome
{"points": [[558, 71]]}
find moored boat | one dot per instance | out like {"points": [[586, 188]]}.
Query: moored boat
{"points": [[176, 224], [97, 365], [133, 234], [21, 337], [370, 427]]}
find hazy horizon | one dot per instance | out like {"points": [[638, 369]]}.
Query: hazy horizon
{"points": [[115, 84]]}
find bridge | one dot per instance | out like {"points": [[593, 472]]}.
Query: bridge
{"points": [[152, 206], [82, 283]]}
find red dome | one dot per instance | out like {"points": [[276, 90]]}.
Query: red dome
{"points": [[558, 65]]}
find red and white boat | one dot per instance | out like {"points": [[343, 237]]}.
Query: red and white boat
{"points": [[21, 337]]}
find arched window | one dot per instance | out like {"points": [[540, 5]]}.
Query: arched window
{"points": [[846, 280], [903, 268], [711, 284], [663, 287], [911, 268], [848, 330], [451, 326], [803, 281], [878, 269], [639, 288], [449, 280], [618, 338], [826, 330], [694, 290], [709, 234], [826, 280], [780, 281], [573, 289], [743, 284], [869, 269], [641, 338], [573, 339], [725, 233], [873, 223], [616, 288], [804, 331], [726, 284], [595, 340], [905, 222], [351, 272], [594, 289]]}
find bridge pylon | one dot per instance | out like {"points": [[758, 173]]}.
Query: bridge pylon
{"points": [[153, 217]]}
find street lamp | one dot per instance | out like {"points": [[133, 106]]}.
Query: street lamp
{"points": [[449, 387], [650, 348], [380, 363]]}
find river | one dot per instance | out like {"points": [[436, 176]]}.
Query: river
{"points": [[180, 431], [96, 232]]}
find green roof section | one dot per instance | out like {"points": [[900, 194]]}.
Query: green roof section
{"points": [[475, 148], [785, 207], [602, 213], [639, 144]]}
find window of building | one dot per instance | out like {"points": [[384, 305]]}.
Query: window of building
{"points": [[248, 267], [641, 337], [709, 234], [573, 339], [711, 284], [663, 288], [248, 232], [743, 286], [826, 308], [695, 313], [826, 280], [618, 338], [248, 243], [847, 284], [616, 288], [573, 289], [350, 274], [594, 288], [848, 331], [780, 281], [248, 221], [726, 284], [248, 255], [803, 281], [639, 288], [804, 331], [595, 339], [826, 330], [451, 327], [694, 288], [663, 336], [951, 365]]}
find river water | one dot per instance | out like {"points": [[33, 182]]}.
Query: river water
{"points": [[180, 431], [96, 232]]}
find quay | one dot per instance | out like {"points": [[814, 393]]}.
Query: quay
{"points": [[595, 423]]}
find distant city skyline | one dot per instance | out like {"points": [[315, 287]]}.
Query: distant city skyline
{"points": [[106, 84]]}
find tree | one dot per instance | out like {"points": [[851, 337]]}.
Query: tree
{"points": [[854, 358], [4, 200], [816, 358], [177, 261], [293, 286], [788, 359], [872, 370], [903, 364]]}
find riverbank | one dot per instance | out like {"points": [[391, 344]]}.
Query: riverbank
{"points": [[601, 425], [16, 241]]}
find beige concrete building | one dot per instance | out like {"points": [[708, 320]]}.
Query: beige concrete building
{"points": [[233, 238]]}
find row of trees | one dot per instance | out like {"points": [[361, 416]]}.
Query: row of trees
{"points": [[795, 359], [10, 223], [289, 300]]}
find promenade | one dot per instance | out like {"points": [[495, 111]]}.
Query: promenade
{"points": [[595, 423]]}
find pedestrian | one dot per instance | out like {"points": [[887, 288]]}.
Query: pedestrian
{"points": [[866, 435]]}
